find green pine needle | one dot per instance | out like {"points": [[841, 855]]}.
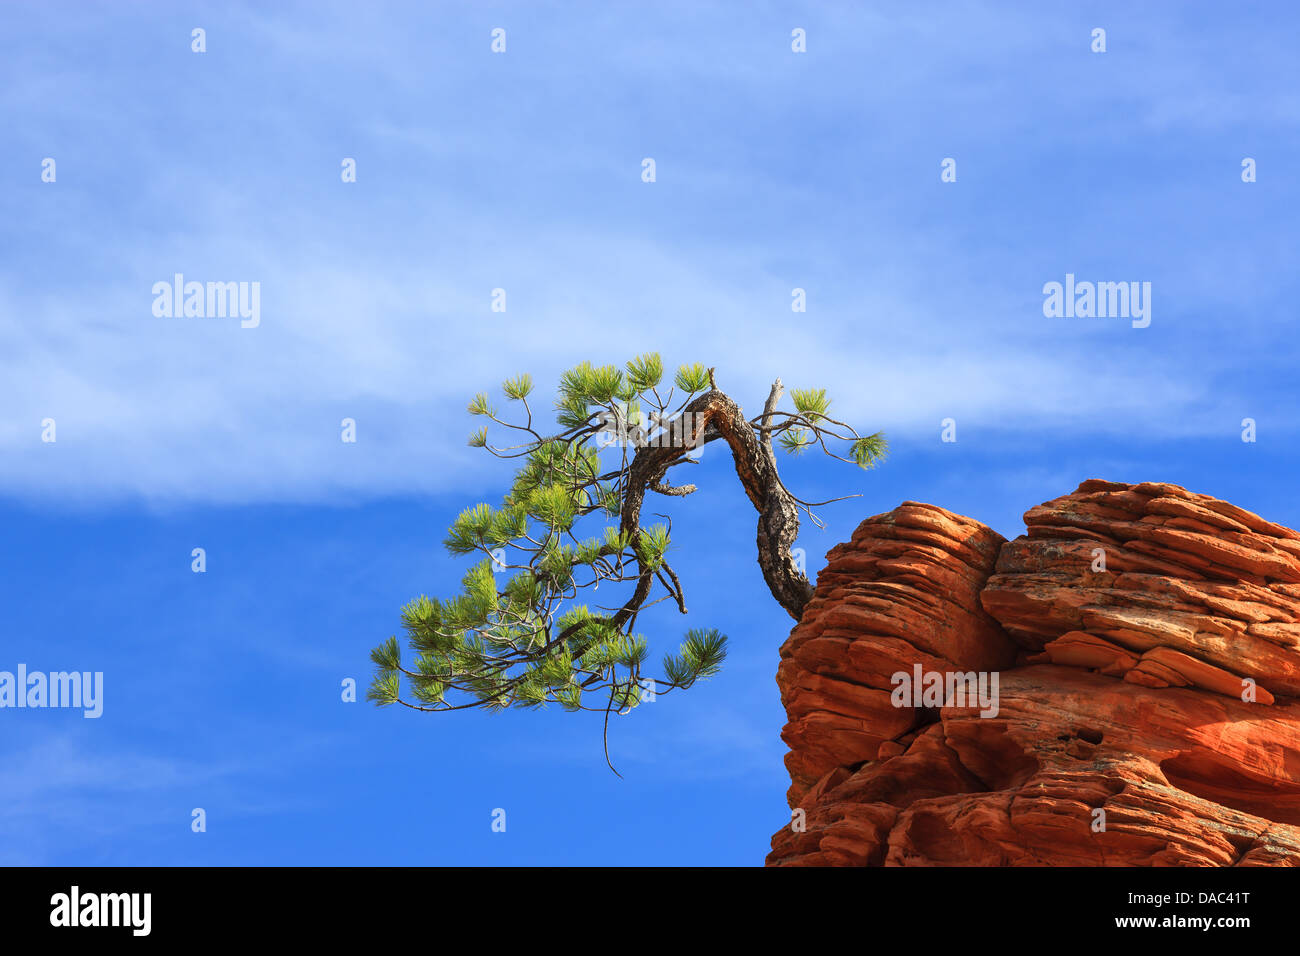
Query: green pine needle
{"points": [[692, 378], [519, 387], [871, 450]]}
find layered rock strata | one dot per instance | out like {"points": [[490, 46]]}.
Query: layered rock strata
{"points": [[1145, 642]]}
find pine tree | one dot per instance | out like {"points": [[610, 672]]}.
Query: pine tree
{"points": [[516, 636]]}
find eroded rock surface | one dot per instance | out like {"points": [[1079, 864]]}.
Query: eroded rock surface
{"points": [[1146, 641]]}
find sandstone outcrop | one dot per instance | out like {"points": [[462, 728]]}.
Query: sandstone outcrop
{"points": [[1145, 641]]}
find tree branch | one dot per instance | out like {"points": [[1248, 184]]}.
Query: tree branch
{"points": [[755, 463]]}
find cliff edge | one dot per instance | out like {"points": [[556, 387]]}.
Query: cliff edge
{"points": [[1119, 686]]}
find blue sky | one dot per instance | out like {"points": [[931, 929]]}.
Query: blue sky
{"points": [[522, 171]]}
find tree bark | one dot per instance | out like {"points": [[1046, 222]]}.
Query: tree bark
{"points": [[708, 417]]}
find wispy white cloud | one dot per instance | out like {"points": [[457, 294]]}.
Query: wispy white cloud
{"points": [[375, 296]]}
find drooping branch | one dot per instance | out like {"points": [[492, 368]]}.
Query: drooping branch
{"points": [[715, 414]]}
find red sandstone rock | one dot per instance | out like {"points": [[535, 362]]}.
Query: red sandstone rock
{"points": [[904, 590], [1120, 690]]}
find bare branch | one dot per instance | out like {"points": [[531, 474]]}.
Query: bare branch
{"points": [[774, 396]]}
